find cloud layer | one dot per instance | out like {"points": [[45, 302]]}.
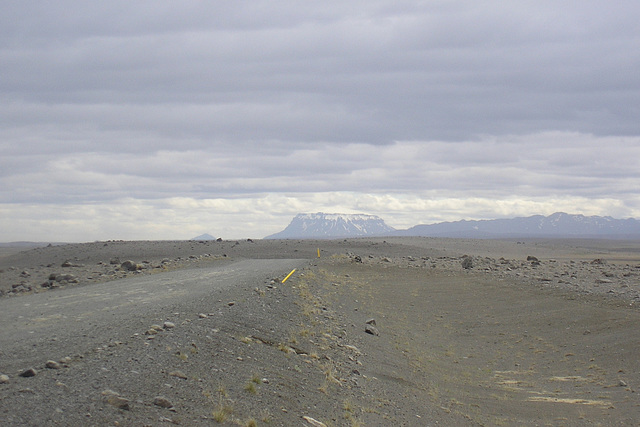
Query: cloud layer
{"points": [[162, 120]]}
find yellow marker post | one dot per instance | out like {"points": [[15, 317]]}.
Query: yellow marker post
{"points": [[318, 252], [288, 275]]}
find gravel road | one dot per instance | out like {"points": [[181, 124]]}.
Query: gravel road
{"points": [[69, 321]]}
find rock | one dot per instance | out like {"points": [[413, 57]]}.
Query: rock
{"points": [[70, 278], [130, 266], [4, 379], [231, 303], [467, 262], [114, 399], [532, 258], [52, 364], [314, 423], [114, 261], [372, 330], [371, 322], [598, 261], [163, 402], [178, 374], [622, 383], [28, 373], [168, 325]]}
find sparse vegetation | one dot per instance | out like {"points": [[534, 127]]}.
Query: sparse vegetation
{"points": [[223, 412], [251, 387], [251, 423]]}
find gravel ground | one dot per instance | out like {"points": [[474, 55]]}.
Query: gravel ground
{"points": [[404, 331]]}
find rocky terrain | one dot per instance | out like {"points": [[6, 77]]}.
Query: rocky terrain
{"points": [[406, 331]]}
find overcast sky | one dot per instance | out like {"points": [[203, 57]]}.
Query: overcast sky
{"points": [[165, 119]]}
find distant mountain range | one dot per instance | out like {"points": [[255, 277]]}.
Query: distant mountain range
{"points": [[329, 226], [560, 224]]}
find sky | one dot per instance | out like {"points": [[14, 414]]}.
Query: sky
{"points": [[153, 120]]}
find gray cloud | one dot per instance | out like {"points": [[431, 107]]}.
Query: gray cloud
{"points": [[449, 101]]}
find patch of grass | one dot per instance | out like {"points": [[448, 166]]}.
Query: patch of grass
{"points": [[223, 412], [285, 348], [293, 339], [222, 391], [251, 422], [256, 379], [347, 405], [265, 417], [305, 332], [330, 373], [251, 387]]}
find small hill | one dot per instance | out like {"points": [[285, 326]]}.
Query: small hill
{"points": [[203, 237], [329, 226]]}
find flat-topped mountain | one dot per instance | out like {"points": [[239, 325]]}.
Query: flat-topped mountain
{"points": [[328, 226]]}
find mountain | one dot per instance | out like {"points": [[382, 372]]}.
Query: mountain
{"points": [[203, 237], [558, 224], [329, 226]]}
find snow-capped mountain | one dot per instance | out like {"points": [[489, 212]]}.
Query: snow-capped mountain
{"points": [[328, 226], [558, 224]]}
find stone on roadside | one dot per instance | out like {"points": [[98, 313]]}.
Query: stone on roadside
{"points": [[52, 364], [162, 402], [114, 399], [168, 325], [130, 266], [4, 379], [28, 373], [66, 278], [178, 374], [467, 262], [372, 330], [314, 422]]}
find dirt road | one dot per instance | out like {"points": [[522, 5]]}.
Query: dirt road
{"points": [[53, 325]]}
